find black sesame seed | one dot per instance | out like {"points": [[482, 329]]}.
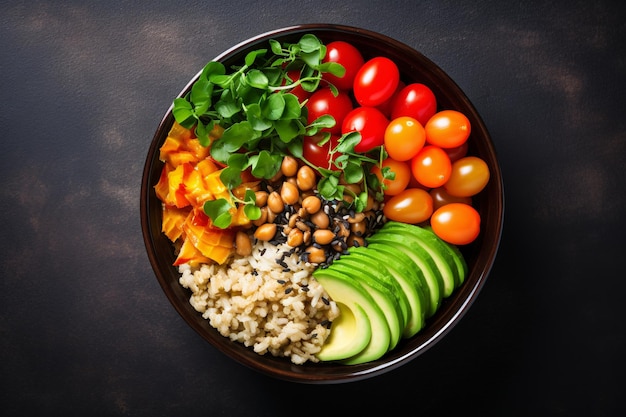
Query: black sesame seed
{"points": [[288, 290], [281, 281], [325, 301]]}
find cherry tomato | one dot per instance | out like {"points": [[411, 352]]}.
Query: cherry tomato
{"points": [[447, 129], [368, 121], [404, 138], [376, 81], [456, 223], [385, 107], [468, 177], [415, 100], [297, 91], [412, 205], [402, 172], [457, 152], [347, 55], [441, 198], [324, 102], [319, 154], [431, 166]]}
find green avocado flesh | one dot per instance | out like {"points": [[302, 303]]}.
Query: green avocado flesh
{"points": [[457, 256], [422, 260], [387, 290], [428, 241], [349, 292], [410, 279], [381, 292], [364, 259], [351, 332]]}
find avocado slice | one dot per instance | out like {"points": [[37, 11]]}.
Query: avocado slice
{"points": [[349, 293], [422, 260], [433, 245], [351, 332], [458, 257], [410, 279], [381, 291], [381, 272]]}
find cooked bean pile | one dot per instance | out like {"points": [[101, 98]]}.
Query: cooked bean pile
{"points": [[292, 212]]}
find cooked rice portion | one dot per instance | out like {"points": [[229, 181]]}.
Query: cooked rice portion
{"points": [[254, 300]]}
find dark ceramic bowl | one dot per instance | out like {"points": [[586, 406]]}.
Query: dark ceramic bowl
{"points": [[480, 254]]}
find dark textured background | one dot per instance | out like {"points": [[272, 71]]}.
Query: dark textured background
{"points": [[85, 328]]}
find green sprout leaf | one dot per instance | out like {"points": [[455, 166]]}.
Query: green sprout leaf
{"points": [[231, 177], [219, 212], [250, 209], [257, 79], [262, 121], [274, 107], [265, 164], [183, 113]]}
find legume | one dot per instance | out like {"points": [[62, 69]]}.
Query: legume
{"points": [[320, 231]]}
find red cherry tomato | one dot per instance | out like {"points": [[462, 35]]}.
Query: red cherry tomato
{"points": [[385, 107], [319, 154], [415, 100], [441, 198], [431, 166], [324, 102], [402, 172], [347, 55], [376, 81], [412, 205], [468, 177], [456, 223], [404, 138], [447, 129], [368, 121]]}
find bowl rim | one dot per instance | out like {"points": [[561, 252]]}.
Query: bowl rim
{"points": [[327, 374]]}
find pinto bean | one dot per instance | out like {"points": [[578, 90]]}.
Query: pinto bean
{"points": [[275, 202], [289, 166], [243, 244], [265, 232]]}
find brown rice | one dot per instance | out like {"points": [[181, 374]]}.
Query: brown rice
{"points": [[273, 307]]}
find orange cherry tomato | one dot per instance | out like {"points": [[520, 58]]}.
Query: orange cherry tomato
{"points": [[404, 138], [468, 177], [402, 172], [441, 198], [456, 223], [412, 205], [431, 166], [447, 129]]}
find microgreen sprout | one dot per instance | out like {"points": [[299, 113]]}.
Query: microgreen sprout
{"points": [[263, 122]]}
